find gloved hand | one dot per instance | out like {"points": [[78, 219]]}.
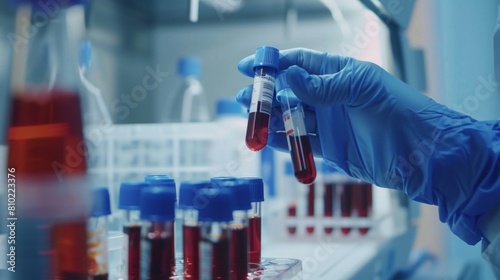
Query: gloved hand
{"points": [[374, 127]]}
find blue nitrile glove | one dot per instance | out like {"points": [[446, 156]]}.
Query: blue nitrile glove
{"points": [[376, 128]]}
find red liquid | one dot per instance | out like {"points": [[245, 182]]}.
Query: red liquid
{"points": [[254, 229], [158, 266], [302, 159], [362, 200], [172, 246], [98, 277], [346, 204], [220, 259], [310, 206], [134, 251], [328, 205], [257, 130], [46, 128], [292, 212], [191, 248], [239, 253]]}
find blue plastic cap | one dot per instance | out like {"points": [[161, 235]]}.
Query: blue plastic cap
{"points": [[188, 193], [85, 55], [129, 197], [256, 188], [218, 181], [241, 193], [189, 66], [230, 107], [281, 82], [157, 204], [267, 56], [289, 168], [100, 202], [160, 181], [218, 206]]}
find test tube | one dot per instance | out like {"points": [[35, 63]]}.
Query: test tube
{"points": [[329, 194], [157, 217], [97, 235], [310, 208], [292, 197], [165, 181], [238, 264], [188, 201], [265, 66], [254, 218], [362, 201], [345, 189], [214, 215], [129, 200], [295, 129]]}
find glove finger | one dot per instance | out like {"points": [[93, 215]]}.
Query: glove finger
{"points": [[320, 90], [312, 61], [244, 96]]}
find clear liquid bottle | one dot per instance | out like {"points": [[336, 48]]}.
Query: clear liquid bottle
{"points": [[46, 145], [189, 103]]}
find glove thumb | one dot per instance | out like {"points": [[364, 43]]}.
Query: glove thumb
{"points": [[317, 90]]}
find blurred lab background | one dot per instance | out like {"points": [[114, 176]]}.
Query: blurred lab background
{"points": [[443, 48]]}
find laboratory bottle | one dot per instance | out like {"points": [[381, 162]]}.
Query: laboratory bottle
{"points": [[189, 103], [97, 235], [157, 218], [165, 181], [129, 201], [46, 148], [188, 201], [214, 215], [238, 264], [299, 144], [265, 66], [255, 218]]}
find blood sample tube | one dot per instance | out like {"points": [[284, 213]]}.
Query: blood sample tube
{"points": [[292, 197], [215, 215], [265, 66], [255, 218], [97, 235], [238, 264], [345, 189], [129, 200], [166, 181], [310, 208], [188, 201], [157, 218], [329, 194], [362, 201], [295, 128]]}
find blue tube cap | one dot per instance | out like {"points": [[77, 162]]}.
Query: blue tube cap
{"points": [[129, 197], [256, 188], [189, 66], [218, 181], [188, 191], [267, 56], [100, 202], [240, 190], [218, 206], [157, 204], [160, 181]]}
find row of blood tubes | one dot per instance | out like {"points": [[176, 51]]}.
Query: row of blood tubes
{"points": [[221, 227], [341, 198]]}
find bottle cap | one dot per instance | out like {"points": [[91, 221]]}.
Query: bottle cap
{"points": [[189, 66], [267, 56], [100, 202], [289, 168], [229, 107], [188, 193], [129, 197], [217, 181], [256, 188], [241, 194], [218, 206], [157, 204], [160, 181]]}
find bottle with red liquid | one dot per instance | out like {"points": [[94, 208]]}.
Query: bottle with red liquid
{"points": [[215, 214], [238, 264], [266, 63], [46, 147], [296, 133], [292, 198], [129, 200], [329, 194], [188, 202], [97, 234], [345, 193], [255, 218], [157, 216], [362, 201]]}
